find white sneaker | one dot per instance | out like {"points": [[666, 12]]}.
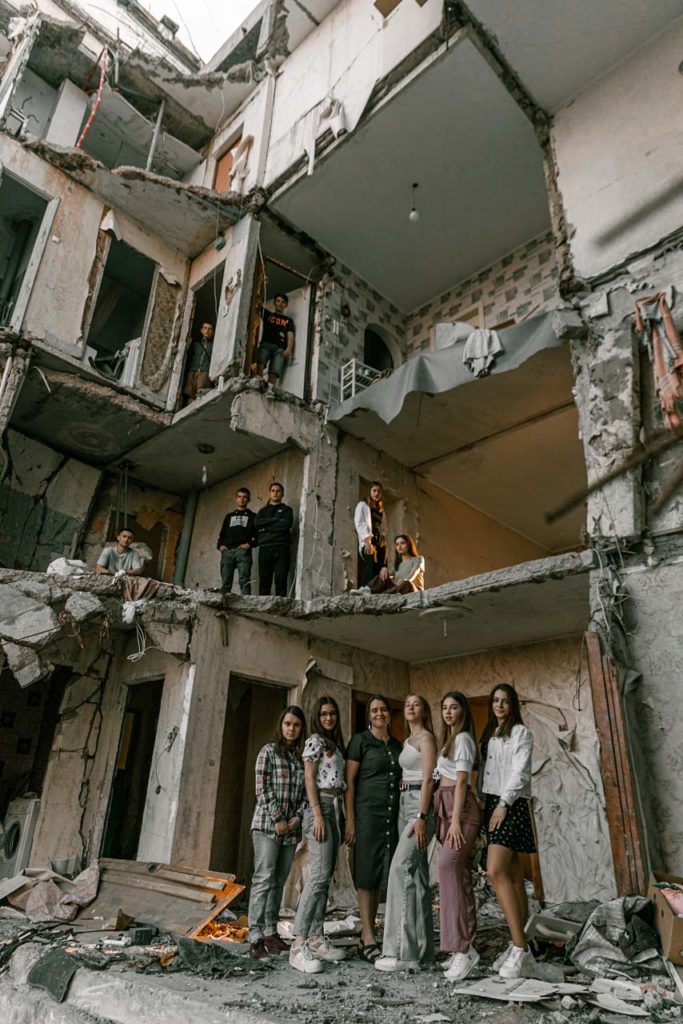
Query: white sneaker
{"points": [[501, 958], [445, 964], [512, 968], [301, 959], [462, 965], [322, 949], [390, 963]]}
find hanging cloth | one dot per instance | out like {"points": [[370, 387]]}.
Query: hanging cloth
{"points": [[481, 351], [656, 328]]}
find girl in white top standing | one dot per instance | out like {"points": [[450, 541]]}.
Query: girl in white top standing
{"points": [[506, 749], [324, 767], [458, 822]]}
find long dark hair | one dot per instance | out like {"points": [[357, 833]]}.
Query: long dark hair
{"points": [[333, 739], [379, 504], [279, 742], [412, 548], [514, 718], [426, 712], [466, 723]]}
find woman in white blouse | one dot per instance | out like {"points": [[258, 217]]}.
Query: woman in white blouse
{"points": [[506, 749], [458, 825], [324, 765]]}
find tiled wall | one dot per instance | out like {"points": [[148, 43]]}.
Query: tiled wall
{"points": [[520, 283], [342, 336], [509, 289]]}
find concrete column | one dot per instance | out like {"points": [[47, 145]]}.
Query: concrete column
{"points": [[235, 300], [314, 560], [198, 777], [13, 370]]}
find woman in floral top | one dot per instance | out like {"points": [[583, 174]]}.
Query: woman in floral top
{"points": [[275, 828], [323, 826]]}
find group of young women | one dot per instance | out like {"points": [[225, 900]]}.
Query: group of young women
{"points": [[376, 576], [387, 801]]}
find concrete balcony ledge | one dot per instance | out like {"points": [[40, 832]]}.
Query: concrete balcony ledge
{"points": [[524, 603]]}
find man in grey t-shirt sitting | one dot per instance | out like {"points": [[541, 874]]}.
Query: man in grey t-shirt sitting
{"points": [[121, 557]]}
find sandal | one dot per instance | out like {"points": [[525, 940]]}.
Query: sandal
{"points": [[369, 953]]}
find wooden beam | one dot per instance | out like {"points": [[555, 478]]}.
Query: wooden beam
{"points": [[625, 830]]}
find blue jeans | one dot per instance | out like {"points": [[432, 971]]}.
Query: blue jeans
{"points": [[310, 913], [271, 355], [272, 863], [240, 559]]}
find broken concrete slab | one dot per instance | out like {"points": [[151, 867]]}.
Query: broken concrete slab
{"points": [[26, 666], [188, 216], [82, 607], [25, 620]]}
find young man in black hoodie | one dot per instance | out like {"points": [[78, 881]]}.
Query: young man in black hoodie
{"points": [[274, 531], [235, 541]]}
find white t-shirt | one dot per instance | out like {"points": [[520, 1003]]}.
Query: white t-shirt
{"points": [[330, 773], [114, 561], [464, 754]]}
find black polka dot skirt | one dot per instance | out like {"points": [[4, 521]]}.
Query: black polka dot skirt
{"points": [[516, 832]]}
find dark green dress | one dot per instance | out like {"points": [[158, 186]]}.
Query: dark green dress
{"points": [[376, 806]]}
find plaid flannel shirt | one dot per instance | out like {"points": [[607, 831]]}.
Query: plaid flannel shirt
{"points": [[279, 793]]}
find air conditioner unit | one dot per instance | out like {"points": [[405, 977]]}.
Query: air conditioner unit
{"points": [[16, 835]]}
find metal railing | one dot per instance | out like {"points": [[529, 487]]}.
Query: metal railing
{"points": [[356, 376]]}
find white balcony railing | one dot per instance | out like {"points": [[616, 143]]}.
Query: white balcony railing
{"points": [[356, 376]]}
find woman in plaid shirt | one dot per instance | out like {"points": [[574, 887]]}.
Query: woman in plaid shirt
{"points": [[275, 828]]}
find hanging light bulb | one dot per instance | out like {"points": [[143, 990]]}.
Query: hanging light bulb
{"points": [[414, 214]]}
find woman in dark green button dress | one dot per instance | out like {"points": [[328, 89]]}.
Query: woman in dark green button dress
{"points": [[372, 780]]}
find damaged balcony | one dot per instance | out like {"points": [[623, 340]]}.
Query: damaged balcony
{"points": [[232, 427], [530, 602]]}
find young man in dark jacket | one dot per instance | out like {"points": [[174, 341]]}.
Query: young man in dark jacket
{"points": [[274, 531], [235, 541]]}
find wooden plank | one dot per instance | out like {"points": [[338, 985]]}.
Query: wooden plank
{"points": [[181, 892], [170, 874], [625, 832]]}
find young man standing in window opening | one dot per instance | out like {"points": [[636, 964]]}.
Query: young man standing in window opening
{"points": [[274, 532], [121, 557], [277, 340], [197, 380], [235, 541]]}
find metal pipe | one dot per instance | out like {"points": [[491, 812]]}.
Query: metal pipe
{"points": [[155, 136], [185, 538]]}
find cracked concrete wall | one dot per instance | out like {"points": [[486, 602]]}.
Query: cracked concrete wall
{"points": [[656, 625], [45, 498], [621, 185], [569, 808], [203, 563]]}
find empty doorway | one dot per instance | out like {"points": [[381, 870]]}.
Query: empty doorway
{"points": [[132, 771], [253, 712]]}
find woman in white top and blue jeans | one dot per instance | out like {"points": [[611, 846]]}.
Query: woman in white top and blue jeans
{"points": [[458, 821], [506, 750], [324, 766], [408, 925]]}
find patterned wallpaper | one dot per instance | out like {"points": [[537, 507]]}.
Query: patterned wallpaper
{"points": [[518, 283]]}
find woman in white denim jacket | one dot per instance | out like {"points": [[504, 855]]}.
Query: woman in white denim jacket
{"points": [[506, 749]]}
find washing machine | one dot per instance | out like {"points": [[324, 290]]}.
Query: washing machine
{"points": [[16, 835]]}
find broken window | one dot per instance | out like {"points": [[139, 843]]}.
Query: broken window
{"points": [[21, 214], [224, 165], [376, 354], [118, 319]]}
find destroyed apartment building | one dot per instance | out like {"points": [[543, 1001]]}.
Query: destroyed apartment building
{"points": [[466, 212]]}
